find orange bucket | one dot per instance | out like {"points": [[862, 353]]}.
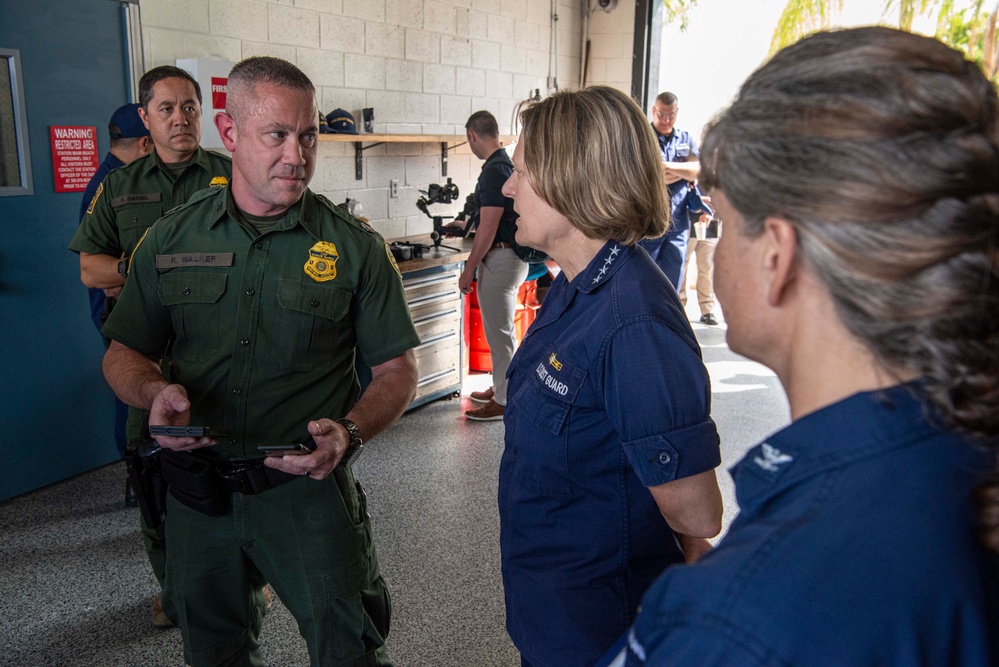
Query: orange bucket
{"points": [[479, 358]]}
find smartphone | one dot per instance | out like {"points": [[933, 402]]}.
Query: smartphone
{"points": [[295, 449], [189, 431]]}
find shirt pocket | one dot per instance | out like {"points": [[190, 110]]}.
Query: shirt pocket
{"points": [[542, 412], [133, 221], [192, 298], [311, 327]]}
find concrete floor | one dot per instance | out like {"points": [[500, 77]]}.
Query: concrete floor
{"points": [[75, 586]]}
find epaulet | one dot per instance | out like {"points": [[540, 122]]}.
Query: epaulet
{"points": [[198, 196], [221, 156], [346, 217], [134, 164]]}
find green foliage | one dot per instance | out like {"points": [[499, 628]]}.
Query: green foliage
{"points": [[677, 11], [801, 17], [966, 28], [970, 28]]}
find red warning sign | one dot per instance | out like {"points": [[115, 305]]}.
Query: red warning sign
{"points": [[74, 156]]}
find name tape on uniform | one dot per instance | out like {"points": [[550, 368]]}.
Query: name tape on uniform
{"points": [[195, 259], [141, 198]]}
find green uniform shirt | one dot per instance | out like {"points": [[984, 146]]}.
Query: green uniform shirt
{"points": [[133, 197], [263, 328]]}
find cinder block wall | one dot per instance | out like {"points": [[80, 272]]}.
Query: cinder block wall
{"points": [[423, 65], [612, 43]]}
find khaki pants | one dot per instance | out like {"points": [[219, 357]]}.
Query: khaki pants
{"points": [[705, 251], [499, 278]]}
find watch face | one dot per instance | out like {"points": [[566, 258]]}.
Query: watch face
{"points": [[122, 267]]}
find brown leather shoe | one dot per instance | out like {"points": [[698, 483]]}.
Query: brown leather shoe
{"points": [[268, 598], [160, 619], [490, 412], [482, 396]]}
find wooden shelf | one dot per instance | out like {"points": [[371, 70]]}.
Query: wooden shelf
{"points": [[372, 140], [405, 138]]}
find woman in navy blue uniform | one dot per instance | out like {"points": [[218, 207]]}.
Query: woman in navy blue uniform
{"points": [[607, 476], [858, 176]]}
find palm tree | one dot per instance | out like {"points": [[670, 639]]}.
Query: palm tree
{"points": [[971, 28], [801, 17]]}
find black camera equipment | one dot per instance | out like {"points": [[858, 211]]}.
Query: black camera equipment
{"points": [[438, 194]]}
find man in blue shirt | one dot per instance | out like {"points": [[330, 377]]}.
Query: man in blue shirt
{"points": [[681, 166], [129, 141]]}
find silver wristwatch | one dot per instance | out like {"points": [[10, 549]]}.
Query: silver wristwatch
{"points": [[356, 444]]}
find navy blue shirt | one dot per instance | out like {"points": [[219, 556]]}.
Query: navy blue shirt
{"points": [[678, 146], [669, 251], [607, 396], [855, 546], [488, 192], [110, 163]]}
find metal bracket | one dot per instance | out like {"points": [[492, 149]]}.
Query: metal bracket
{"points": [[359, 149], [444, 150]]}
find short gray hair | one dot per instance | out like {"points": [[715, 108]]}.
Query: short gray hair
{"points": [[247, 73]]}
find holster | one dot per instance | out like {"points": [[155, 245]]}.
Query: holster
{"points": [[194, 482], [143, 463], [204, 482]]}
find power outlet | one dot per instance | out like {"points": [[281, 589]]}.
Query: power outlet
{"points": [[394, 188]]}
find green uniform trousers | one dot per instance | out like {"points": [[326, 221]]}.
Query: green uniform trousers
{"points": [[311, 540]]}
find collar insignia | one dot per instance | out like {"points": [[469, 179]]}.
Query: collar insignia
{"points": [[607, 263], [772, 458]]}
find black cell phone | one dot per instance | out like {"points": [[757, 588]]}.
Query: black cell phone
{"points": [[295, 448], [189, 431]]}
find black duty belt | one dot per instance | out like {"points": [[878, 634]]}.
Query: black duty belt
{"points": [[250, 477], [206, 483]]}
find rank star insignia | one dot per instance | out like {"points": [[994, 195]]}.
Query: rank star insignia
{"points": [[322, 262]]}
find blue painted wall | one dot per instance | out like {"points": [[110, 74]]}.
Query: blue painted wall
{"points": [[56, 412]]}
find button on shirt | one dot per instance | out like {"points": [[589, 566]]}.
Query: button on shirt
{"points": [[855, 546], [263, 329], [608, 396]]}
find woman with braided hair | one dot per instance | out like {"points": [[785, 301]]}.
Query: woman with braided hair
{"points": [[858, 176]]}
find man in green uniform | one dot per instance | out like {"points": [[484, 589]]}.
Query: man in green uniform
{"points": [[132, 197], [264, 293]]}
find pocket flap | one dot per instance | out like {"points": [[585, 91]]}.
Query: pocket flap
{"points": [[191, 287], [320, 300]]}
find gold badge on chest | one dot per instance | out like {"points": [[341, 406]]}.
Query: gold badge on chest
{"points": [[322, 262]]}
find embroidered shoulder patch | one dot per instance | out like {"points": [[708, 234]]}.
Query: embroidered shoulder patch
{"points": [[322, 262], [97, 195], [388, 251]]}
